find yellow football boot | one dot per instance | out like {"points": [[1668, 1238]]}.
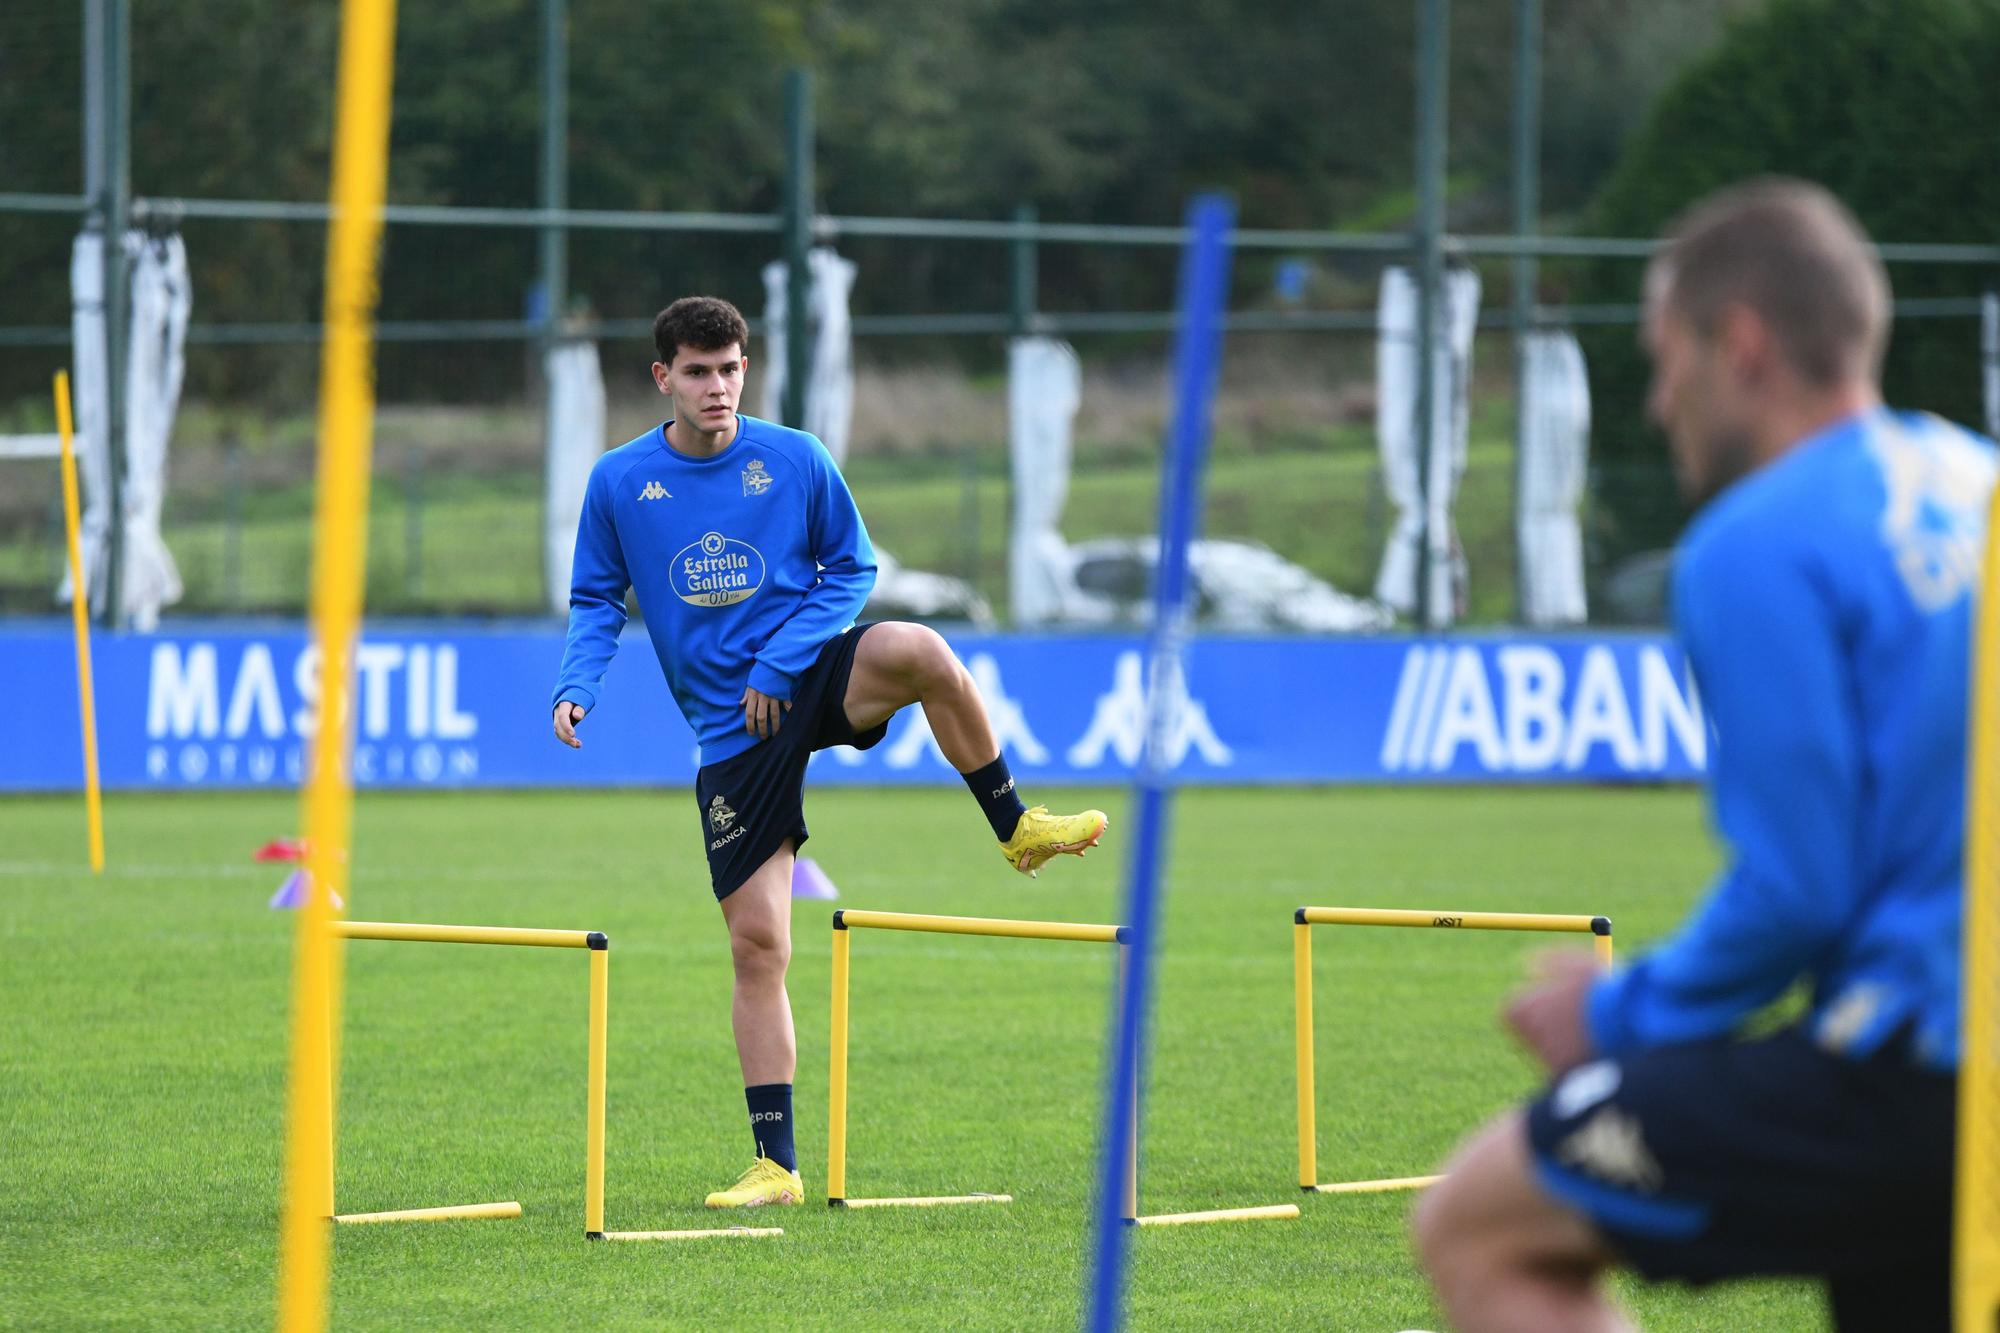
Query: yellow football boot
{"points": [[764, 1183], [1041, 836]]}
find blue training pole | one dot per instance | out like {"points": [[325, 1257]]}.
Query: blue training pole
{"points": [[1197, 350]]}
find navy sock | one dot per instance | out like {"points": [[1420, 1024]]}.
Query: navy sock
{"points": [[993, 787], [771, 1122]]}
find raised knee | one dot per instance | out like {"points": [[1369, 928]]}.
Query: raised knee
{"points": [[924, 658]]}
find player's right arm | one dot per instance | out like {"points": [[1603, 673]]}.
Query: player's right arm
{"points": [[1763, 628], [598, 580]]}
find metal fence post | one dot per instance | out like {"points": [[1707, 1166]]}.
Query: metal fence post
{"points": [[107, 69], [1023, 275], [798, 209], [1527, 210], [555, 241], [1432, 43]]}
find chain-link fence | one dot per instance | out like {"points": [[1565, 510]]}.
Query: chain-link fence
{"points": [[470, 294]]}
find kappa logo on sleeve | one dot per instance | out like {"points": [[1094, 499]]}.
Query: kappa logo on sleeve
{"points": [[655, 491]]}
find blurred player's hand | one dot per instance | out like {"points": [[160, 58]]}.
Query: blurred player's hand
{"points": [[1548, 1017], [567, 716], [762, 714]]}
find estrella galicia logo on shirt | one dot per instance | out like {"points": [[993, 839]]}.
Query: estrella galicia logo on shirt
{"points": [[755, 479], [716, 571]]}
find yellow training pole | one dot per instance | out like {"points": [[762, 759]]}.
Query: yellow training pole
{"points": [[979, 925], [925, 1200], [1271, 1212], [458, 1212], [724, 1233], [1302, 1026], [1378, 1186], [86, 695], [1602, 944], [1395, 916], [429, 934], [1976, 1226], [340, 552], [836, 1077], [1132, 1157], [593, 1135]]}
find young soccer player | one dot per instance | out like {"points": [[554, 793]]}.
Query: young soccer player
{"points": [[750, 563], [1823, 593]]}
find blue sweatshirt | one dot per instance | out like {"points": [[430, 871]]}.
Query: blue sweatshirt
{"points": [[745, 565], [1825, 603]]}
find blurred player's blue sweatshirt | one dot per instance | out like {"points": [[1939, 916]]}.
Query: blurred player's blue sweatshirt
{"points": [[745, 565], [1825, 602]]}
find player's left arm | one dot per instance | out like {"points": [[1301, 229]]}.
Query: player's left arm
{"points": [[839, 543], [1763, 626]]}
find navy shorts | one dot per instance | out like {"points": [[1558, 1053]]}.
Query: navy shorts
{"points": [[751, 802], [1765, 1157]]}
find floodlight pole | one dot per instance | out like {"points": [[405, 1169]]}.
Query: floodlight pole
{"points": [[1433, 36], [798, 207]]}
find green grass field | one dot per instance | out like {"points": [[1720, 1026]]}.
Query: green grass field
{"points": [[144, 1019]]}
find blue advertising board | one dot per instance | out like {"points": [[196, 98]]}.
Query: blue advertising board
{"points": [[449, 706]]}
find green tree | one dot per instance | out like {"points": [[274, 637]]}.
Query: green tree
{"points": [[1892, 105]]}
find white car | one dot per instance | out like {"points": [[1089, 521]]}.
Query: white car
{"points": [[916, 594], [1237, 585]]}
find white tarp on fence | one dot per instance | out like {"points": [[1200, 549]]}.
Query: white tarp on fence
{"points": [[575, 441], [1396, 430], [1044, 389], [1555, 443], [830, 383], [161, 303], [155, 365]]}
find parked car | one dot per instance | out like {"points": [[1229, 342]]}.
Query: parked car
{"points": [[1237, 585], [916, 594]]}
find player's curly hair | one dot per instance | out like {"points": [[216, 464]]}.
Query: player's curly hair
{"points": [[700, 324]]}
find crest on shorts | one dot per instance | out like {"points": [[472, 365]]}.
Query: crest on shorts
{"points": [[720, 816], [755, 479], [1611, 1146]]}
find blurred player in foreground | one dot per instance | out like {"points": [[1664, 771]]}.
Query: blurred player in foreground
{"points": [[1823, 593], [750, 563]]}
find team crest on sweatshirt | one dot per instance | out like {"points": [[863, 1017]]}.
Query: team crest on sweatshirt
{"points": [[755, 479]]}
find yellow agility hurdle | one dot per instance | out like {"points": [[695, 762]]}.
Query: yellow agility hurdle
{"points": [[599, 948], [845, 921], [1305, 918], [600, 995]]}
